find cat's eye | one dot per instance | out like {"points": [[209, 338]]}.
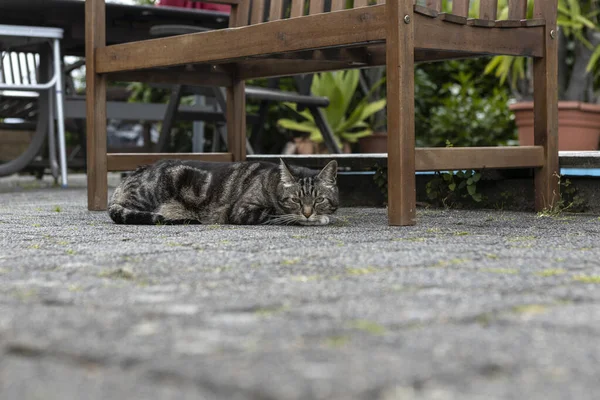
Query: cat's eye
{"points": [[293, 200], [319, 199]]}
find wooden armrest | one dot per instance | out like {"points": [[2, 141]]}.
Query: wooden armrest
{"points": [[230, 2]]}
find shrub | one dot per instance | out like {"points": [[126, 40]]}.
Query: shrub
{"points": [[455, 103]]}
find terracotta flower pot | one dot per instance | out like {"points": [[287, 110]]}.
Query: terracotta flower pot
{"points": [[578, 124], [376, 143]]}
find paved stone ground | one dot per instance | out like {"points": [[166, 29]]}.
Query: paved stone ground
{"points": [[466, 305]]}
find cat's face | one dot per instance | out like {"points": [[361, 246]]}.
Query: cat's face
{"points": [[308, 200]]}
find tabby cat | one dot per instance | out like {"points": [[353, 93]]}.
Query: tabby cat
{"points": [[174, 192]]}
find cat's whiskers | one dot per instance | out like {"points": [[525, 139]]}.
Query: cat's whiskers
{"points": [[285, 219]]}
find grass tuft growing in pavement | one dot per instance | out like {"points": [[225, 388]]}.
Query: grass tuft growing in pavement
{"points": [[119, 273], [551, 272], [587, 278], [368, 326]]}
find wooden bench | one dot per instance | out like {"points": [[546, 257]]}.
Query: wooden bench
{"points": [[395, 34]]}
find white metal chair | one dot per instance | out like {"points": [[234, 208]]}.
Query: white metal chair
{"points": [[20, 67]]}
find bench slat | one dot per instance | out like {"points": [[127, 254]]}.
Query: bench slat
{"points": [[508, 23], [432, 159], [130, 161], [360, 3], [533, 22], [517, 9], [316, 7], [275, 10], [337, 5], [297, 8], [434, 5], [460, 7], [202, 76], [240, 14], [258, 11], [428, 12], [455, 19], [488, 9], [483, 23]]}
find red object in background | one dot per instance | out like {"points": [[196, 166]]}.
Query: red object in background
{"points": [[195, 4]]}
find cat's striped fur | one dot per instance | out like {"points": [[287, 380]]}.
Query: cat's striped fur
{"points": [[172, 191]]}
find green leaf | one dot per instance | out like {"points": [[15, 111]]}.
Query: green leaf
{"points": [[477, 197], [352, 137], [316, 136], [493, 64], [348, 82], [574, 7], [476, 177], [503, 14], [452, 186], [579, 35], [361, 113], [361, 124], [470, 181], [518, 69], [586, 22], [334, 112], [376, 86], [373, 108], [471, 189], [304, 114], [593, 59], [305, 126]]}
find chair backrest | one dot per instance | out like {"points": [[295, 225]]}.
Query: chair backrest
{"points": [[271, 10], [19, 68]]}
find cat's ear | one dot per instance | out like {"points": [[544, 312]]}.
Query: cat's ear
{"points": [[286, 176], [329, 173]]}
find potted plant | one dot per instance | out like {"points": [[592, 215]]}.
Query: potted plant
{"points": [[578, 68], [347, 115]]}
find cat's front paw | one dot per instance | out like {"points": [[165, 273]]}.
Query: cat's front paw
{"points": [[323, 220], [316, 220]]}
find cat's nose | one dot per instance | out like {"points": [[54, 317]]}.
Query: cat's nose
{"points": [[307, 211]]}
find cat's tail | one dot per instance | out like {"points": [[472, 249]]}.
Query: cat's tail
{"points": [[123, 215]]}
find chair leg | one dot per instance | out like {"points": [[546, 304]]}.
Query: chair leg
{"points": [[545, 126], [401, 113], [54, 167], [97, 178], [60, 115], [236, 120], [326, 131], [169, 119]]}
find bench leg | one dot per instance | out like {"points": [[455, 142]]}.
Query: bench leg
{"points": [[236, 120], [97, 179], [401, 113], [545, 125]]}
